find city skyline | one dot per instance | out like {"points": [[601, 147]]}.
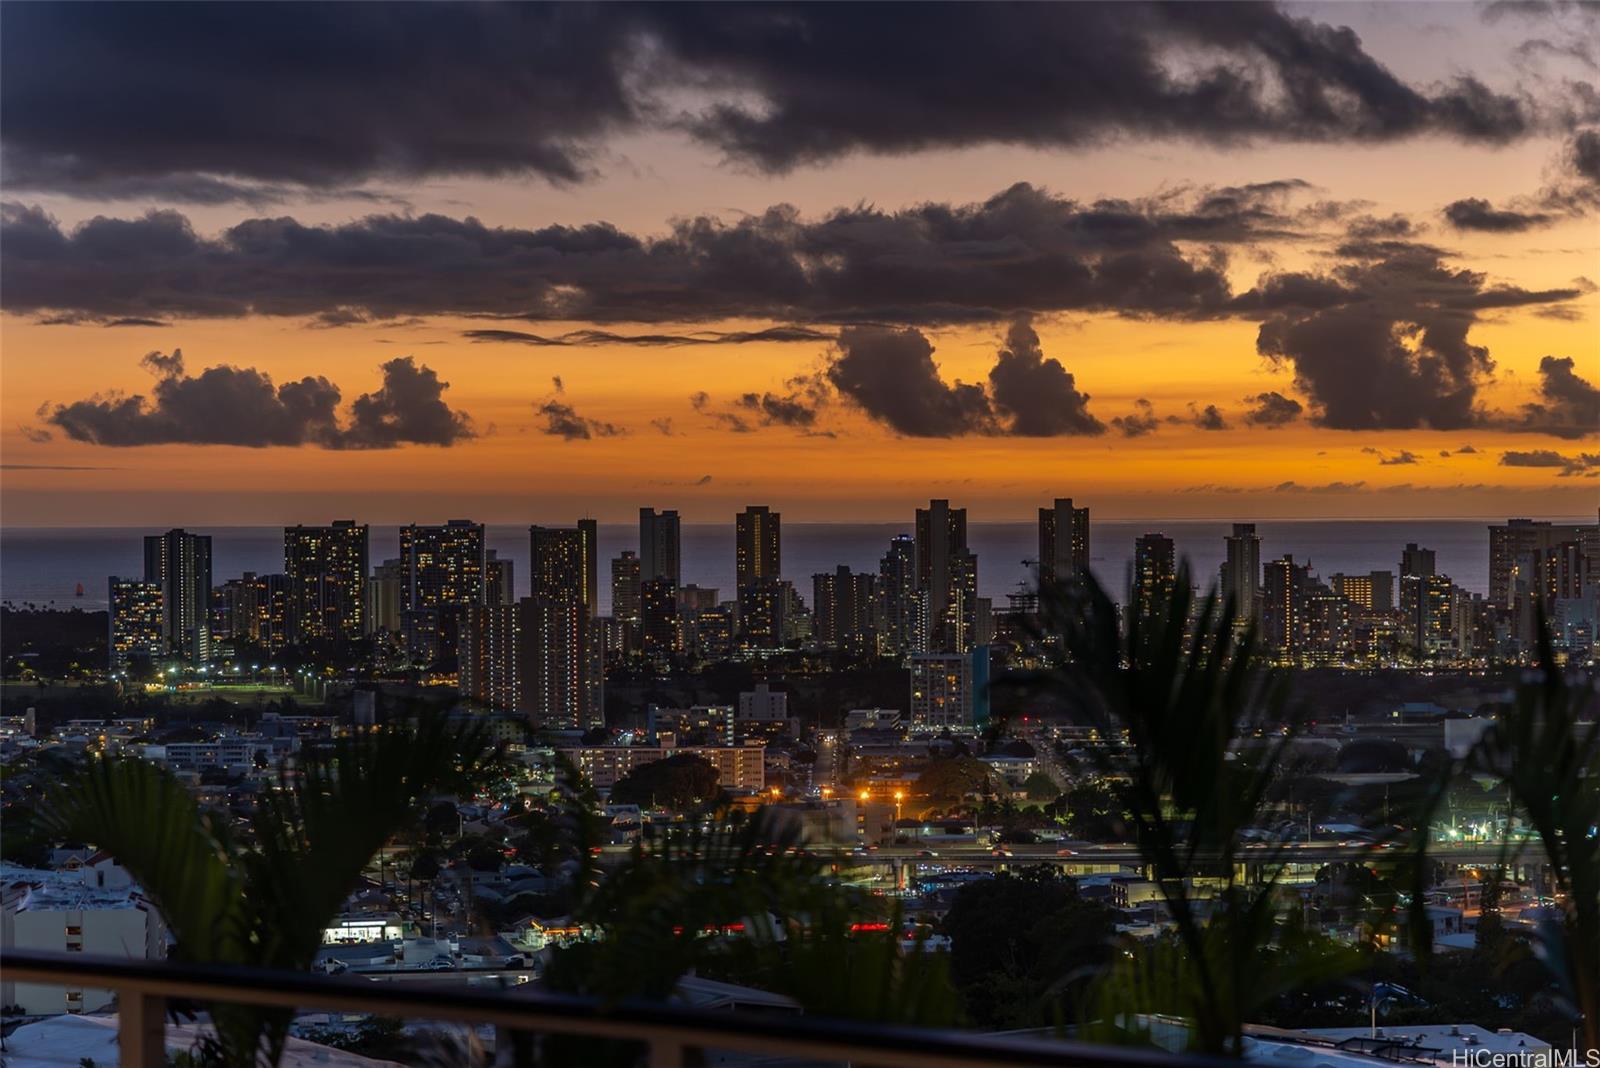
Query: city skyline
{"points": [[697, 293]]}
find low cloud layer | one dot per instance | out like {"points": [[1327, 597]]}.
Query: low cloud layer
{"points": [[226, 405], [1586, 464], [1022, 250]]}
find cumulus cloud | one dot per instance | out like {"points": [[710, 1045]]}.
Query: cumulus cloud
{"points": [[1272, 409], [890, 374], [404, 92], [1568, 405], [1039, 395], [226, 405], [1208, 418], [1396, 354]]}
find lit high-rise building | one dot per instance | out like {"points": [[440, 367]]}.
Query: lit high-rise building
{"points": [[137, 623], [542, 659], [385, 588], [1283, 606], [902, 625], [562, 664], [255, 608], [1517, 540], [757, 545], [767, 610], [625, 579], [1240, 579], [558, 564], [1155, 568], [660, 546], [843, 609], [589, 535], [180, 563], [492, 657], [443, 576], [1063, 541], [947, 575], [499, 579], [1372, 593], [660, 637], [563, 644], [949, 690], [326, 568]]}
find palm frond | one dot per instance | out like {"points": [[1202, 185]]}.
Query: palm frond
{"points": [[180, 857]]}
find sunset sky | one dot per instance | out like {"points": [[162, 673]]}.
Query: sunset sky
{"points": [[525, 263]]}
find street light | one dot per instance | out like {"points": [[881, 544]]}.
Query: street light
{"points": [[899, 796]]}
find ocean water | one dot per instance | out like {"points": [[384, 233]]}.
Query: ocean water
{"points": [[45, 565]]}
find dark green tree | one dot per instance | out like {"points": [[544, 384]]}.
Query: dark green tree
{"points": [[1012, 940], [682, 781]]}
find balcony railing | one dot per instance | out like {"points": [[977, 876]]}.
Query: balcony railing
{"points": [[667, 1031]]}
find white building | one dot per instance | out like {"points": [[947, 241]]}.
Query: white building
{"points": [[92, 908], [763, 705]]}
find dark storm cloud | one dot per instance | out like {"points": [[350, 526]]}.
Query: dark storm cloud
{"points": [[226, 405], [891, 375], [1272, 409], [1475, 213], [1396, 354], [1062, 75], [1565, 466], [1039, 395], [1021, 250], [400, 90], [1208, 418], [1568, 405], [407, 91]]}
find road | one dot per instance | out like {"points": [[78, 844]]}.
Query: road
{"points": [[1126, 854]]}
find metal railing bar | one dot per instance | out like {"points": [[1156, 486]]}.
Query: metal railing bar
{"points": [[885, 1045]]}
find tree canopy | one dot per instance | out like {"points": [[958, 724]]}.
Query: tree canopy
{"points": [[679, 781]]}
